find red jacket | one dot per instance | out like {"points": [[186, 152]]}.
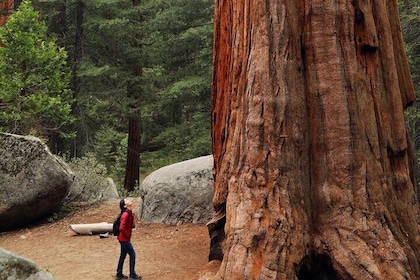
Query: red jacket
{"points": [[126, 225]]}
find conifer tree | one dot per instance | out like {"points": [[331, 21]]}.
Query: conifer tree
{"points": [[34, 78]]}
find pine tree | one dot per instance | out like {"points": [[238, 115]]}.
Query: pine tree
{"points": [[184, 53], [34, 78]]}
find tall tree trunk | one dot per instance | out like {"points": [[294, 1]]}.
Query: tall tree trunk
{"points": [[312, 160], [75, 81], [132, 170]]}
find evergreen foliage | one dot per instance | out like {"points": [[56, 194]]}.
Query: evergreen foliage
{"points": [[151, 62], [173, 46], [34, 78], [183, 30]]}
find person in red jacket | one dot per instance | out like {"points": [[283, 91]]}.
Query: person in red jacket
{"points": [[124, 237]]}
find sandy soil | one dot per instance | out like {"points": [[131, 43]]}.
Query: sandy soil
{"points": [[163, 251]]}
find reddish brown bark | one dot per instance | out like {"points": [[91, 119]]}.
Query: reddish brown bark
{"points": [[6, 8], [132, 169], [312, 162]]}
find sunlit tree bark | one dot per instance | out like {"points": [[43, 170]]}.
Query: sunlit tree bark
{"points": [[312, 161]]}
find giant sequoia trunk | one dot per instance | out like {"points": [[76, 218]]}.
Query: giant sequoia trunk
{"points": [[312, 161]]}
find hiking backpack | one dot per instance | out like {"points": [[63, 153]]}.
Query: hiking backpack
{"points": [[116, 225]]}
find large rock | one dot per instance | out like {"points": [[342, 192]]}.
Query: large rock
{"points": [[16, 267], [180, 192], [33, 182]]}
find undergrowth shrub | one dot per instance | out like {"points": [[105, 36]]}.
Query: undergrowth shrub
{"points": [[90, 180]]}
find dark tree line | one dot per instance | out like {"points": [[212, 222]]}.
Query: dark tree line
{"points": [[140, 79]]}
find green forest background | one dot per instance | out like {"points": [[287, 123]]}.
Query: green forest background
{"points": [[124, 86]]}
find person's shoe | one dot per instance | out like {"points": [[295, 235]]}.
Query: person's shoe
{"points": [[135, 277], [121, 276]]}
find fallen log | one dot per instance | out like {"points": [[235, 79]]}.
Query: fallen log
{"points": [[89, 229]]}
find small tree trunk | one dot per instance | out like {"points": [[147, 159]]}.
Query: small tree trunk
{"points": [[312, 161]]}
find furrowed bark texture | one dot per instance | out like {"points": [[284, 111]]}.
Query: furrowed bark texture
{"points": [[312, 160]]}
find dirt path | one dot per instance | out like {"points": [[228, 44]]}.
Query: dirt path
{"points": [[164, 252]]}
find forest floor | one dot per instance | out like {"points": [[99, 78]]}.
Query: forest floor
{"points": [[164, 252]]}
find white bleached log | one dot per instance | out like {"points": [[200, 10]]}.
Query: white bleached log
{"points": [[89, 229]]}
